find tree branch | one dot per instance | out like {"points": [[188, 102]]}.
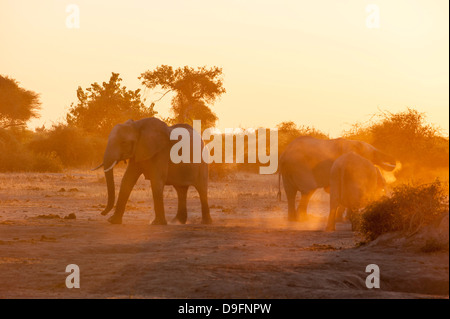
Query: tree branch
{"points": [[13, 124], [161, 96]]}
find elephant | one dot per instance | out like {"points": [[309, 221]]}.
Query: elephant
{"points": [[354, 182], [146, 144], [306, 162]]}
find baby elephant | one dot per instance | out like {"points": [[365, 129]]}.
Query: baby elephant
{"points": [[354, 182]]}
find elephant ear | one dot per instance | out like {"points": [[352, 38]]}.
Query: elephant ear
{"points": [[150, 142]]}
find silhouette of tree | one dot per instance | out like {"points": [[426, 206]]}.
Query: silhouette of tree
{"points": [[194, 89], [17, 105], [100, 107]]}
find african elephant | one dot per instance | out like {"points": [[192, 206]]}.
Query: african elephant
{"points": [[306, 163], [146, 144], [354, 182]]}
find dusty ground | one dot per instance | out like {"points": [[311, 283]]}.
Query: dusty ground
{"points": [[250, 251]]}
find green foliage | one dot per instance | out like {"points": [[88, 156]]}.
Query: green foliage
{"points": [[17, 105], [407, 209], [100, 107], [194, 89]]}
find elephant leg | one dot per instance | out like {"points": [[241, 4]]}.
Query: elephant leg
{"points": [[291, 192], [181, 216], [334, 208], [331, 224], [340, 214], [350, 217], [203, 193], [158, 192], [128, 181], [291, 205], [303, 205]]}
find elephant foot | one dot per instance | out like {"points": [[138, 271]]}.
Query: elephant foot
{"points": [[207, 220], [159, 222], [179, 220], [115, 219], [106, 211]]}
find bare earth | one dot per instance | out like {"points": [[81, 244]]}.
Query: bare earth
{"points": [[250, 251]]}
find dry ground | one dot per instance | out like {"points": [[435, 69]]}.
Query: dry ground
{"points": [[250, 251]]}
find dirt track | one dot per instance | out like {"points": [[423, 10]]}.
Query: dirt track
{"points": [[250, 251]]}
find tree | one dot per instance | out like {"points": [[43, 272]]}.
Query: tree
{"points": [[100, 107], [17, 105], [194, 89], [405, 135]]}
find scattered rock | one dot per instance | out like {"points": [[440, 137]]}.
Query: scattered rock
{"points": [[49, 216], [45, 238], [71, 216], [62, 189], [73, 190], [321, 247]]}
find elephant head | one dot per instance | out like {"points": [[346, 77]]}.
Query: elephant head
{"points": [[366, 150], [136, 141]]}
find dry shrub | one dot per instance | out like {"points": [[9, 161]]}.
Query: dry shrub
{"points": [[420, 147], [408, 209], [289, 131], [71, 145], [15, 157]]}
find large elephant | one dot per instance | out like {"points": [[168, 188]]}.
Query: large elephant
{"points": [[146, 144], [354, 182], [306, 163]]}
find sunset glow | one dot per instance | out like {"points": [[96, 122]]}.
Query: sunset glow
{"points": [[316, 63]]}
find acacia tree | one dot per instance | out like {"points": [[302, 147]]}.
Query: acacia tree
{"points": [[194, 90], [100, 107], [17, 105]]}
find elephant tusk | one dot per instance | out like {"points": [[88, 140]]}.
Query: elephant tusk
{"points": [[111, 167], [94, 169], [389, 165]]}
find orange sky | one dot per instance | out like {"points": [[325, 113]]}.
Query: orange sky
{"points": [[312, 62]]}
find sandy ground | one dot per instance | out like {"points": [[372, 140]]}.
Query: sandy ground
{"points": [[250, 251]]}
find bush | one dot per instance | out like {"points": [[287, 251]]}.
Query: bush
{"points": [[15, 157], [289, 131], [407, 210], [419, 146], [71, 145]]}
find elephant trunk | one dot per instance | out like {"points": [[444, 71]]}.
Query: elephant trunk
{"points": [[109, 161], [109, 176]]}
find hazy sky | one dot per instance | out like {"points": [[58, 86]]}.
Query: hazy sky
{"points": [[312, 62]]}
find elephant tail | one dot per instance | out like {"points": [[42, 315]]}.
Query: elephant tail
{"points": [[279, 186]]}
